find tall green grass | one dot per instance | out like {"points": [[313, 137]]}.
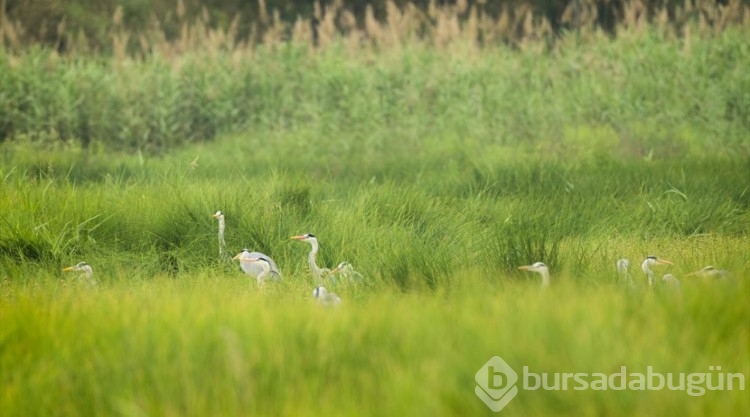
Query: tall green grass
{"points": [[171, 329], [402, 218], [436, 178], [653, 92]]}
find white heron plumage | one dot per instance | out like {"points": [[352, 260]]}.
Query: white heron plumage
{"points": [[316, 271], [255, 269], [328, 299], [86, 270], [623, 269], [671, 282], [541, 269], [650, 261], [222, 244], [264, 264]]}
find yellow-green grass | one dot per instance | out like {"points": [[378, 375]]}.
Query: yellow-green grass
{"points": [[213, 344]]}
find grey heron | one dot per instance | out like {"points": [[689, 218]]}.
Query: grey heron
{"points": [[222, 244], [317, 272], [671, 282], [650, 261], [623, 269], [256, 269], [346, 270], [711, 272], [540, 268], [85, 268], [326, 298]]}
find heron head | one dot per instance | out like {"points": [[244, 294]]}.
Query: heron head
{"points": [[241, 254], [535, 267], [80, 266], [218, 215], [342, 266], [307, 237], [654, 260]]}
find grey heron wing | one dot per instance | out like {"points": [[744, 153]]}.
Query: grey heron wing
{"points": [[274, 268], [251, 268], [275, 274]]}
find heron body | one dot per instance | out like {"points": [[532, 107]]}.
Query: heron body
{"points": [[671, 282], [541, 269], [316, 271], [86, 270], [262, 262], [347, 271], [326, 298], [646, 265], [711, 275], [257, 268], [711, 272], [623, 269]]}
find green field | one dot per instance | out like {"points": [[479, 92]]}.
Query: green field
{"points": [[436, 173]]}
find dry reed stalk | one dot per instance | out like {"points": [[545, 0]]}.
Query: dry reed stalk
{"points": [[327, 24], [458, 26]]}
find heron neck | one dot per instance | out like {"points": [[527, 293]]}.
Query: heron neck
{"points": [[545, 278], [313, 265], [222, 243], [311, 259], [645, 267], [650, 275]]}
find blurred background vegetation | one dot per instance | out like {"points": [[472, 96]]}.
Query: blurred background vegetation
{"points": [[149, 75], [59, 23]]}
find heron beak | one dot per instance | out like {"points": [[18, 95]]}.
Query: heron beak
{"points": [[692, 273], [525, 267], [70, 268], [215, 216], [237, 257], [664, 261], [297, 237], [335, 270]]}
